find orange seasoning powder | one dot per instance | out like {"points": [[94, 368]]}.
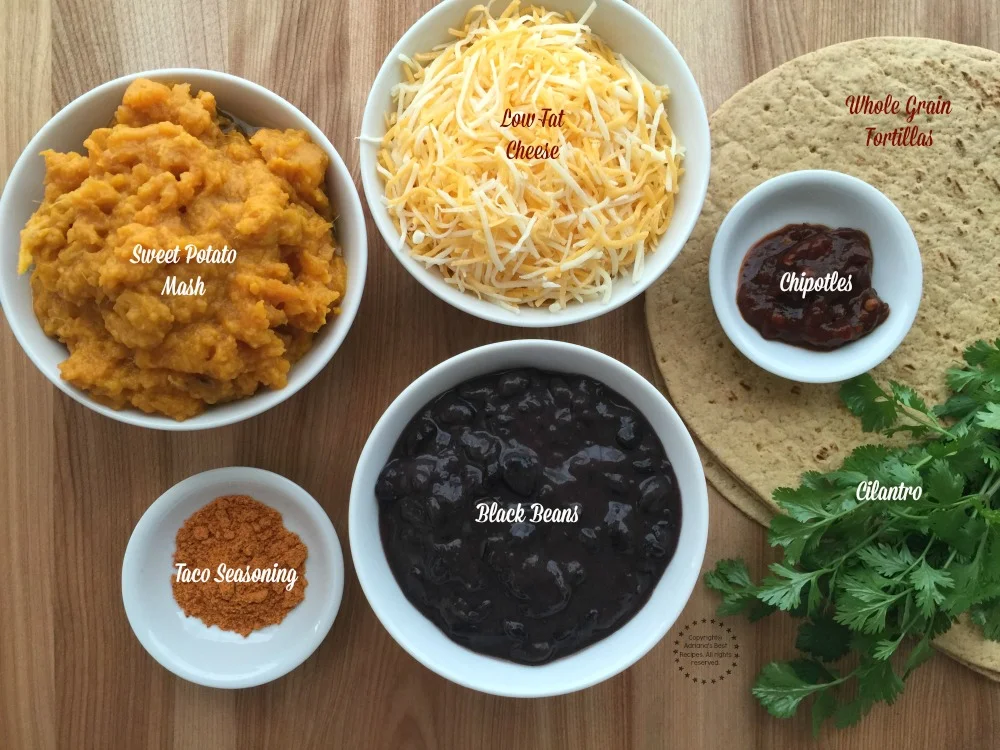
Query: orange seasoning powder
{"points": [[238, 531]]}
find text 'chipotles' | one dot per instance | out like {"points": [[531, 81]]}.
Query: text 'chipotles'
{"points": [[522, 591], [811, 286]]}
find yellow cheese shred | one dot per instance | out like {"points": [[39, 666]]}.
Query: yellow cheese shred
{"points": [[536, 232]]}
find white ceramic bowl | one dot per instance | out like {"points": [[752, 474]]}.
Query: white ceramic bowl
{"points": [[208, 655], [627, 31], [67, 130], [836, 200], [599, 661]]}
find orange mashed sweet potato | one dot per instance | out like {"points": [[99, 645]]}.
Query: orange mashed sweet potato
{"points": [[169, 173]]}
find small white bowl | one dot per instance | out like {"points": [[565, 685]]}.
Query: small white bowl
{"points": [[208, 655], [625, 30], [599, 661], [836, 200], [68, 129]]}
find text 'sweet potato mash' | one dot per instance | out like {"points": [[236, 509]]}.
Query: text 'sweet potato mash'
{"points": [[168, 172]]}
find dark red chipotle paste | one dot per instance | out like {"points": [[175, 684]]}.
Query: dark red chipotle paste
{"points": [[524, 591], [811, 286]]}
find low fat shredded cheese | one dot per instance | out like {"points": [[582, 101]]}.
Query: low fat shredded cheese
{"points": [[537, 232]]}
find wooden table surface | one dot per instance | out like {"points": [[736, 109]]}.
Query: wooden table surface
{"points": [[73, 484]]}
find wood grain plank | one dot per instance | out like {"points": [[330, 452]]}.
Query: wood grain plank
{"points": [[28, 632]]}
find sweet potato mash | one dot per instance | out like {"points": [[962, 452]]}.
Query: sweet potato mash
{"points": [[169, 174]]}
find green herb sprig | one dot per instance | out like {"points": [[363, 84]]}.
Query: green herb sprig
{"points": [[873, 580]]}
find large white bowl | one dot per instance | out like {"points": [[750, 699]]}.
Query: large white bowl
{"points": [[627, 31], [208, 655], [599, 661], [68, 129], [818, 196]]}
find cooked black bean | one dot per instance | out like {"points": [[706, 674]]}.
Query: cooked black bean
{"points": [[523, 589]]}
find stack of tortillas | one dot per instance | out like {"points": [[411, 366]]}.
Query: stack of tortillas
{"points": [[760, 432]]}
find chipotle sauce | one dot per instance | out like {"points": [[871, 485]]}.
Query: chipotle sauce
{"points": [[811, 286]]}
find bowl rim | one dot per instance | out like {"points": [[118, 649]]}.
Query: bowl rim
{"points": [[858, 356], [696, 182], [694, 524], [158, 509], [262, 400]]}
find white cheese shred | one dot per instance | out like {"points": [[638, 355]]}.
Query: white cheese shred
{"points": [[529, 232]]}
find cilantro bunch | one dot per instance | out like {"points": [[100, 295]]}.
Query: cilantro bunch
{"points": [[875, 582]]}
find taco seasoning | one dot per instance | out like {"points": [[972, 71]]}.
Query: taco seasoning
{"points": [[811, 286], [236, 566]]}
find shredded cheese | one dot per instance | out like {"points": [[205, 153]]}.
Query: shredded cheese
{"points": [[537, 232]]}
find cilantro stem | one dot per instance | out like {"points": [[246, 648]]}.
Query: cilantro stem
{"points": [[970, 415], [888, 592], [988, 493], [979, 549], [964, 500], [905, 630], [834, 567], [858, 546], [912, 565], [931, 423], [989, 479]]}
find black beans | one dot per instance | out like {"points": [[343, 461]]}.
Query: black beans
{"points": [[520, 472], [513, 383], [511, 585], [456, 413], [628, 432], [478, 445], [654, 493]]}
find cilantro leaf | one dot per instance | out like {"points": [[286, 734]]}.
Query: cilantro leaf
{"points": [[964, 591], [823, 638], [894, 470], [863, 396], [780, 689], [865, 459], [864, 602], [875, 579], [987, 616], [907, 396], [956, 527], [929, 584], [991, 457], [884, 649], [784, 589], [877, 681], [918, 655], [989, 417], [886, 559], [791, 534], [731, 579], [959, 404], [803, 503], [959, 380], [824, 706], [984, 355], [945, 484]]}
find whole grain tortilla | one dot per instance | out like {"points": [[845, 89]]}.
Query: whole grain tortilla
{"points": [[758, 431]]}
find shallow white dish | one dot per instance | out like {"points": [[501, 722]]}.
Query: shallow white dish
{"points": [[207, 655], [626, 31], [599, 661], [836, 200], [68, 129]]}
